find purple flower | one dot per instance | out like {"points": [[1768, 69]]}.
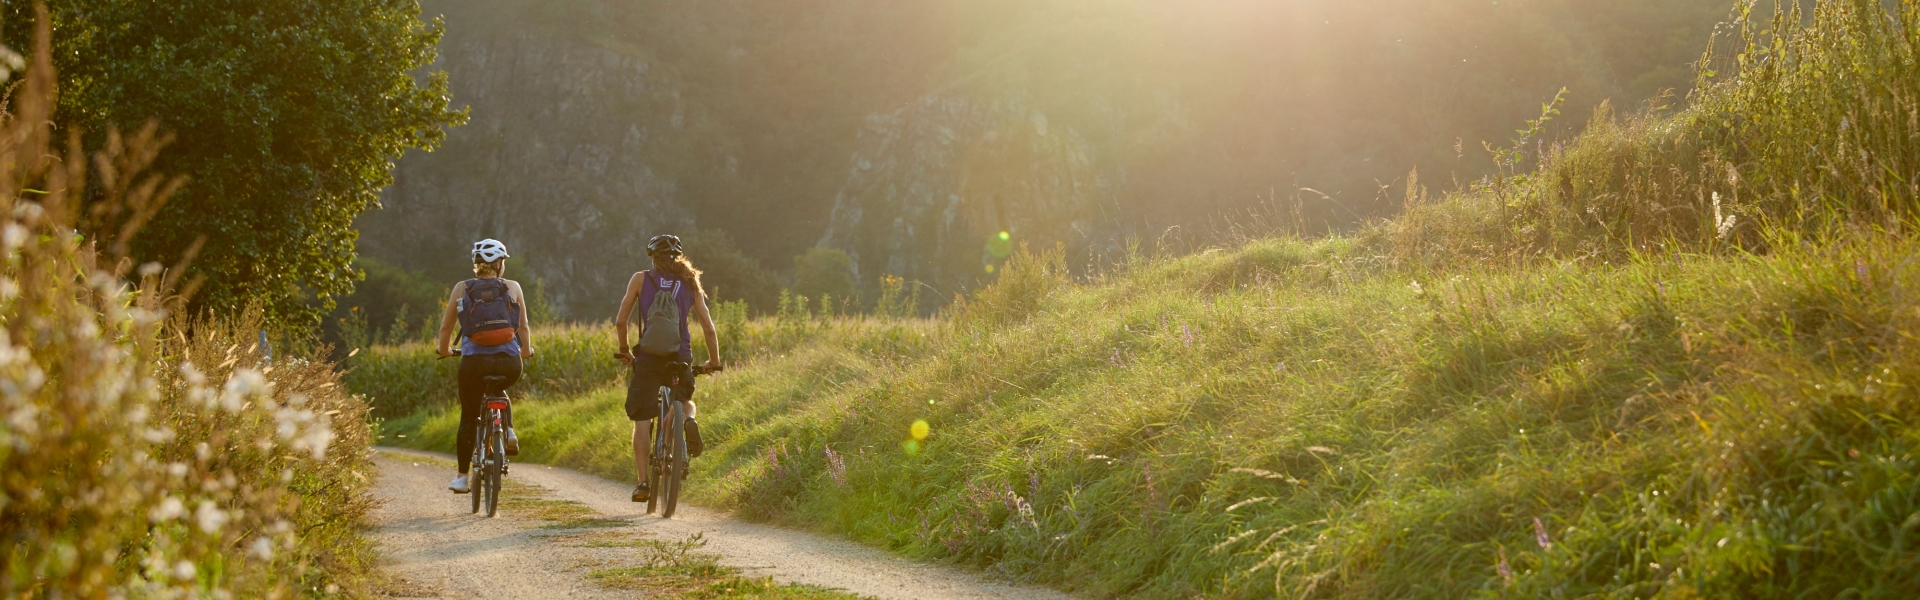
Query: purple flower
{"points": [[1187, 332], [836, 468], [1540, 535]]}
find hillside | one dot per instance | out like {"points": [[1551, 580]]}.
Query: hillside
{"points": [[909, 134]]}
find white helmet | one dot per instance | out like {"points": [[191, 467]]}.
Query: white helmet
{"points": [[489, 250]]}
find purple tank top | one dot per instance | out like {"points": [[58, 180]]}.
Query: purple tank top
{"points": [[656, 284]]}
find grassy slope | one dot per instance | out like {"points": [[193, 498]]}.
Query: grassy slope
{"points": [[1287, 416], [1631, 404]]}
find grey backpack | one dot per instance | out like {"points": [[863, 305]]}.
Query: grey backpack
{"points": [[660, 335]]}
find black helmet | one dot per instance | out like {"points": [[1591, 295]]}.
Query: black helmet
{"points": [[663, 244]]}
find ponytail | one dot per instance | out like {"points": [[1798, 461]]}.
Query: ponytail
{"points": [[678, 266], [487, 270]]}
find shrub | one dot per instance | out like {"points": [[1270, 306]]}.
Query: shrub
{"points": [[141, 454]]}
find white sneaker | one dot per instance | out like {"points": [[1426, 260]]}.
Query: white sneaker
{"points": [[459, 485]]}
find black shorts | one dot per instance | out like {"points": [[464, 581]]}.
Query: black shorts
{"points": [[643, 389]]}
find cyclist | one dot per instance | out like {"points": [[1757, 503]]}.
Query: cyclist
{"points": [[675, 277], [494, 337]]}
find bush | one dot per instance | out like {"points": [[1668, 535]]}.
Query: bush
{"points": [[141, 454]]}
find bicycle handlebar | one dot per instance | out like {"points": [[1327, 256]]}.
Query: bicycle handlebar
{"points": [[697, 369]]}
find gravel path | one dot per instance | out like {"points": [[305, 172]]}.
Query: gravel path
{"points": [[437, 548]]}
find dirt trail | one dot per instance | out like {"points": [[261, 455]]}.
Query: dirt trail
{"points": [[438, 549]]}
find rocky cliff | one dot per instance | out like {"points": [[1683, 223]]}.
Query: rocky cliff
{"points": [[931, 186], [563, 160]]}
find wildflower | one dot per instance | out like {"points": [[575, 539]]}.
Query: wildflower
{"points": [[1722, 225], [14, 236], [1540, 535], [836, 467], [262, 549], [211, 518], [183, 570], [168, 510], [1187, 332], [244, 384]]}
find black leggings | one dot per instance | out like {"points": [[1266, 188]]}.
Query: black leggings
{"points": [[472, 368]]}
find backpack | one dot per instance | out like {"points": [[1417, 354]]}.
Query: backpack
{"points": [[490, 316], [660, 334]]}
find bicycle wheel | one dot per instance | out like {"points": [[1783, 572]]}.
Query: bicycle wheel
{"points": [[498, 449], [676, 464], [473, 470]]}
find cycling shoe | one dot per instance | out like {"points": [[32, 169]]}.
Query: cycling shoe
{"points": [[694, 446]]}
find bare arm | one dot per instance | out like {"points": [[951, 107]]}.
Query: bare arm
{"points": [[706, 323], [626, 308], [450, 317], [525, 330]]}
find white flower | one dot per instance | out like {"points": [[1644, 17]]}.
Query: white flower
{"points": [[168, 510], [262, 549], [211, 518], [244, 383], [14, 236], [318, 438], [192, 375], [183, 570]]}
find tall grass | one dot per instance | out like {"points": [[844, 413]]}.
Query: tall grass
{"points": [[142, 454], [1815, 129]]}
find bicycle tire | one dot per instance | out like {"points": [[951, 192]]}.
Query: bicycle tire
{"points": [[473, 470], [676, 464], [498, 450]]}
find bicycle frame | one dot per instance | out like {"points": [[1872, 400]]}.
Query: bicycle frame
{"points": [[668, 467], [489, 453]]}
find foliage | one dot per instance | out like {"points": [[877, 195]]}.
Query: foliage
{"points": [[287, 115], [729, 274], [824, 273], [143, 455], [392, 305], [898, 299]]}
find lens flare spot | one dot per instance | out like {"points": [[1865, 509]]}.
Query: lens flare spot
{"points": [[911, 446], [919, 429], [989, 268], [1004, 236]]}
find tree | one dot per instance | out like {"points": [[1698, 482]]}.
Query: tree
{"points": [[286, 116], [824, 272]]}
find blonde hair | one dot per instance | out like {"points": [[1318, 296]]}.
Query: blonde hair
{"points": [[487, 270], [678, 266]]}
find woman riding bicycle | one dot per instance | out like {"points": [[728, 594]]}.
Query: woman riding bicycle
{"points": [[494, 337], [672, 279]]}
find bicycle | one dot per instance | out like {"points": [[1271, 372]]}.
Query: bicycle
{"points": [[489, 462], [489, 446], [669, 465]]}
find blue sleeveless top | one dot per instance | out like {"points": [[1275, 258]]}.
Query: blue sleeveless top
{"points": [[655, 285]]}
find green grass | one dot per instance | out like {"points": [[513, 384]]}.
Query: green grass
{"points": [[1581, 380], [678, 568], [1288, 417]]}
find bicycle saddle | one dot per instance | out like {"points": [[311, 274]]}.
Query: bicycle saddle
{"points": [[494, 382]]}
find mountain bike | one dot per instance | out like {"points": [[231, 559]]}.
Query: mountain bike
{"points": [[669, 465], [489, 462], [489, 446]]}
